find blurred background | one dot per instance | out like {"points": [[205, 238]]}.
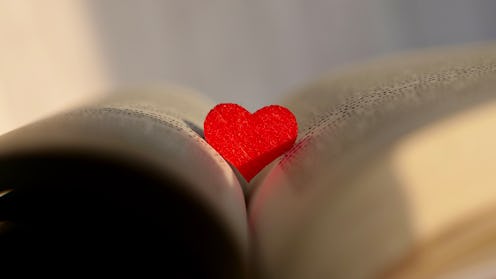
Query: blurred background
{"points": [[57, 53]]}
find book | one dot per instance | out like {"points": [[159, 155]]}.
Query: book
{"points": [[392, 176]]}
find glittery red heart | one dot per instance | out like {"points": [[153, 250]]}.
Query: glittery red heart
{"points": [[250, 141]]}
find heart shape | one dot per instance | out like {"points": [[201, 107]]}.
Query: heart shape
{"points": [[250, 141]]}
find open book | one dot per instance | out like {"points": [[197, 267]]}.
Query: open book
{"points": [[393, 175]]}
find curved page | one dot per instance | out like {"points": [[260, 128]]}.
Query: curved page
{"points": [[362, 194], [129, 178]]}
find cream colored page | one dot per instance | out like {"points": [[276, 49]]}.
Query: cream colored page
{"points": [[159, 128], [484, 270], [335, 206], [50, 59], [168, 123]]}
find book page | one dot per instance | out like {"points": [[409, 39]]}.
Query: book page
{"points": [[148, 143], [372, 186], [484, 270]]}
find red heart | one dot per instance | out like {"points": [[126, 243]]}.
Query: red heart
{"points": [[250, 141]]}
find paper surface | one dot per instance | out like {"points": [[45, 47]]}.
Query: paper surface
{"points": [[336, 205]]}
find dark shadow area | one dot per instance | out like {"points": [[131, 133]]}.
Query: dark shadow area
{"points": [[97, 215]]}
